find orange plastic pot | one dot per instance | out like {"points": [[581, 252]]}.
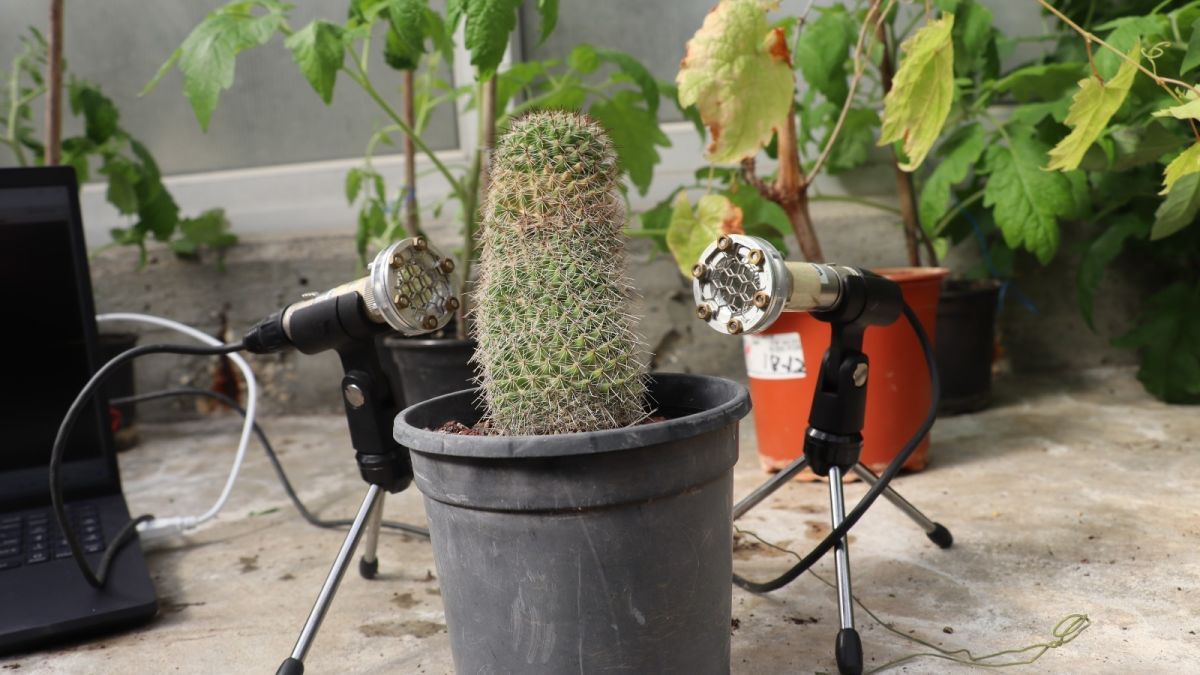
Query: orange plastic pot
{"points": [[783, 363]]}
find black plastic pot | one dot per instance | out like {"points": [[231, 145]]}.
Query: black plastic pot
{"points": [[966, 338], [421, 369], [597, 552]]}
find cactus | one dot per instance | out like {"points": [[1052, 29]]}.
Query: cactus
{"points": [[557, 348]]}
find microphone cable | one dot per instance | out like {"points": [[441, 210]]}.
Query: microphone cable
{"points": [[868, 499], [97, 577]]}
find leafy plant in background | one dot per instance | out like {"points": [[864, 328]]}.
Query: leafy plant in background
{"points": [[417, 42], [135, 185]]}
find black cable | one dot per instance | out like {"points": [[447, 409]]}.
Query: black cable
{"points": [[271, 455], [886, 477], [129, 531]]}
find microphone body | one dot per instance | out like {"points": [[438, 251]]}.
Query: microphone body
{"points": [[408, 289], [742, 284]]}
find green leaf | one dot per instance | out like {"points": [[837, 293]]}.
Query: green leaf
{"points": [[736, 71], [1026, 200], [406, 38], [122, 176], [160, 74], [972, 35], [959, 152], [1132, 146], [690, 233], [489, 23], [1093, 106], [548, 9], [517, 77], [158, 215], [1188, 162], [1168, 337], [1184, 111], [584, 58], [1100, 252], [75, 153], [435, 28], [354, 179], [760, 216], [99, 113], [689, 112], [209, 53], [455, 10], [823, 49], [635, 134], [317, 49], [1129, 31], [654, 221], [1191, 58], [922, 91], [1179, 209], [210, 228], [1041, 83], [637, 72], [854, 141]]}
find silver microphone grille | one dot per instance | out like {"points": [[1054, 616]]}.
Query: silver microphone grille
{"points": [[740, 284], [412, 287]]}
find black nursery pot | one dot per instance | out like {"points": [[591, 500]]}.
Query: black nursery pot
{"points": [[421, 369], [966, 334], [597, 552], [121, 383]]}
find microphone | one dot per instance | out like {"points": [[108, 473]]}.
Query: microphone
{"points": [[408, 288], [742, 284]]}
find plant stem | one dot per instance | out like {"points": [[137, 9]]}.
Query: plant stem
{"points": [[959, 208], [791, 191], [54, 82], [904, 182], [412, 212], [14, 109]]}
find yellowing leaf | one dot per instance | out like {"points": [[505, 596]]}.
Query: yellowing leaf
{"points": [[922, 91], [689, 233], [1183, 111], [1092, 107], [1187, 162], [737, 72]]}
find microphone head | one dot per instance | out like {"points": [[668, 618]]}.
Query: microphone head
{"points": [[412, 287], [740, 284]]}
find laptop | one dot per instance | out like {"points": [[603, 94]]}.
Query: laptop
{"points": [[48, 350]]}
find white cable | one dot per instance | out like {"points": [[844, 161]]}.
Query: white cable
{"points": [[160, 527]]}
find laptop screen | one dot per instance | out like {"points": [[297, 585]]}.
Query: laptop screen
{"points": [[45, 356]]}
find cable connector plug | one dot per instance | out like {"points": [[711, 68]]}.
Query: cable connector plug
{"points": [[161, 528]]}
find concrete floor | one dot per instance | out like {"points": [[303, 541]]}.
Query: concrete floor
{"points": [[1072, 495]]}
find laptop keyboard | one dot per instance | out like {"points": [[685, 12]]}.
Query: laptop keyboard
{"points": [[34, 538]]}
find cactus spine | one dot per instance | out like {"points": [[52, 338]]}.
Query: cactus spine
{"points": [[557, 348]]}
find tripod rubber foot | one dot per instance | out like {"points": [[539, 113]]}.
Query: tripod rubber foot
{"points": [[941, 536], [849, 652], [368, 570], [291, 666]]}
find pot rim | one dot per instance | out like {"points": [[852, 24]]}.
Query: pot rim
{"points": [[907, 275], [734, 404]]}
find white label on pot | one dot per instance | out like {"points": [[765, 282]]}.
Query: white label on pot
{"points": [[774, 357]]}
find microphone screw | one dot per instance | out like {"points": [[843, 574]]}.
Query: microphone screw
{"points": [[724, 243], [756, 257], [452, 304], [860, 375], [762, 299], [355, 397], [703, 312], [734, 327], [420, 244], [396, 261], [430, 322], [699, 271], [400, 301], [447, 265]]}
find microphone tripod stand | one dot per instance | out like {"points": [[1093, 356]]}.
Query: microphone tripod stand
{"points": [[382, 463], [832, 445]]}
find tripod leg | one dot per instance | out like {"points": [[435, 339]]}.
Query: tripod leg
{"points": [[848, 647], [368, 564], [294, 664], [763, 491], [936, 532]]}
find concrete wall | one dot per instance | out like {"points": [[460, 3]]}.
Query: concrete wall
{"points": [[265, 274]]}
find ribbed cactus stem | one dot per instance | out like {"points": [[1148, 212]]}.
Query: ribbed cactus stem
{"points": [[557, 348]]}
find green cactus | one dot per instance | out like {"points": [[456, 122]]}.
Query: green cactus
{"points": [[557, 348]]}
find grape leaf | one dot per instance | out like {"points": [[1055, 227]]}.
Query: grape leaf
{"points": [[1179, 209], [635, 134], [317, 49], [922, 91], [1188, 162], [959, 152], [1184, 111], [488, 25], [1191, 58], [691, 232], [1168, 337], [1041, 83], [822, 49], [1092, 107], [1099, 253], [208, 54], [1026, 200], [1128, 31], [737, 71]]}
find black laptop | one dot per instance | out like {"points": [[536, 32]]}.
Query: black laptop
{"points": [[48, 350]]}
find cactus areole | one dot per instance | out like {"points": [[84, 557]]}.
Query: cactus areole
{"points": [[557, 348]]}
